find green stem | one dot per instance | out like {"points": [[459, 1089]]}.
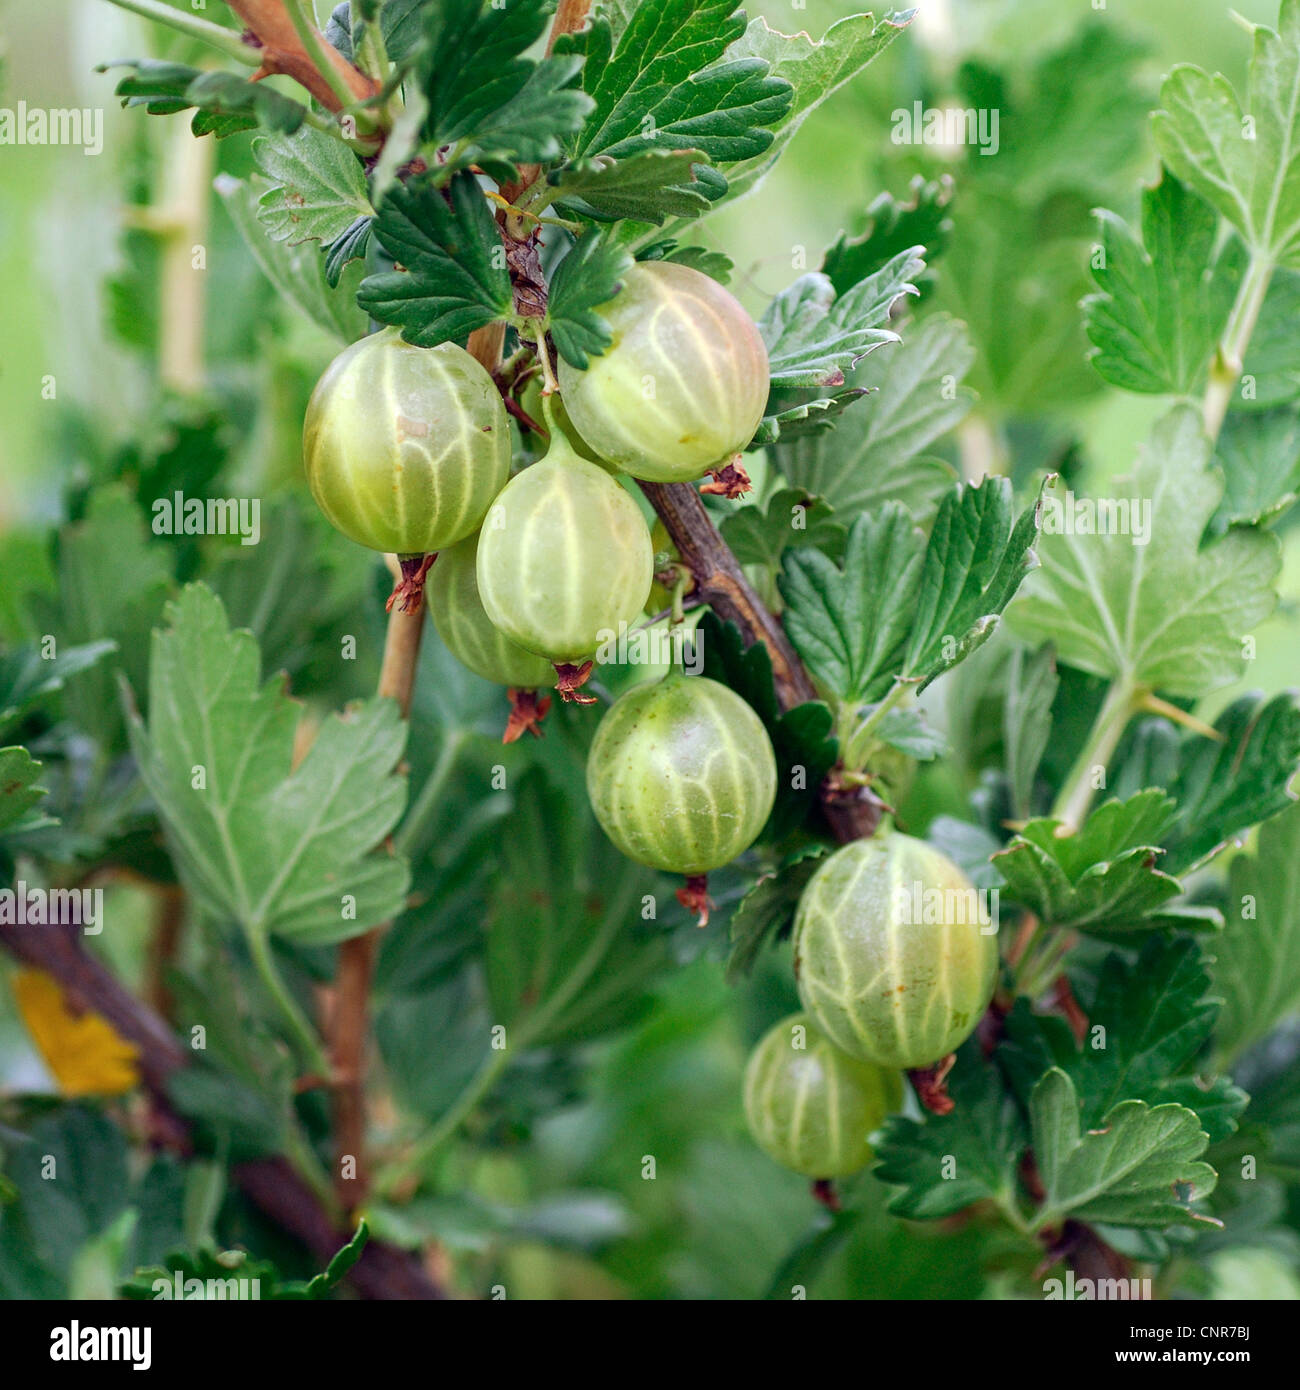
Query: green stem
{"points": [[421, 812], [851, 754], [312, 1171], [371, 54], [1226, 369], [309, 1045], [203, 29], [418, 1155], [1121, 702], [304, 23]]}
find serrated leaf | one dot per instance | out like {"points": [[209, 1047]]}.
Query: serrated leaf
{"points": [[1259, 456], [111, 539], [1222, 787], [717, 265], [19, 791], [808, 417], [350, 245], [1140, 1168], [766, 913], [893, 226], [1164, 298], [1148, 1023], [589, 276], [318, 187], [814, 336], [649, 186], [1168, 613], [850, 623], [880, 454], [274, 848], [27, 678], [1104, 878], [1027, 720], [945, 1163], [976, 557], [450, 284], [791, 517], [297, 272], [815, 68], [665, 84], [1257, 956], [483, 98], [1250, 178], [227, 102]]}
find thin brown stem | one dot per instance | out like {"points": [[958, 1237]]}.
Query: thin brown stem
{"points": [[272, 1184], [283, 51], [349, 1024]]}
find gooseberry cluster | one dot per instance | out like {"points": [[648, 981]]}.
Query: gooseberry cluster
{"points": [[894, 971], [408, 450]]}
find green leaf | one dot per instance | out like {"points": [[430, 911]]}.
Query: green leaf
{"points": [[850, 623], [808, 417], [319, 187], [257, 841], [1273, 356], [1165, 298], [1257, 957], [451, 283], [568, 950], [916, 399], [766, 913], [893, 226], [483, 97], [1103, 878], [1153, 607], [801, 737], [977, 555], [792, 517], [1247, 173], [1027, 721], [665, 84], [1224, 786], [27, 678], [649, 186], [18, 789], [336, 1271], [814, 336], [1148, 1023], [111, 541], [589, 276], [972, 1154], [1259, 457], [227, 103], [815, 68], [350, 245], [297, 272], [1140, 1168], [715, 264]]}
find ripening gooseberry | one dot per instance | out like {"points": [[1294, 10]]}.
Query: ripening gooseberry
{"points": [[405, 447], [682, 386]]}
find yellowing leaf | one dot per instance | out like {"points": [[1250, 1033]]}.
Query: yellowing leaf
{"points": [[84, 1053]]}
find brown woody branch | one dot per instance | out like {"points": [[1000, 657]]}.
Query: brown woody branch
{"points": [[382, 1272], [282, 51]]}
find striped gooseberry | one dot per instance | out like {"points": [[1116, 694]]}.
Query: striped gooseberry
{"points": [[682, 386], [894, 953], [405, 447], [564, 558], [809, 1106], [682, 777]]}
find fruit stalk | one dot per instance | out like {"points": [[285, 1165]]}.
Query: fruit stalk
{"points": [[356, 964]]}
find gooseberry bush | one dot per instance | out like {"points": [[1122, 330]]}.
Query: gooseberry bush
{"points": [[654, 683]]}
